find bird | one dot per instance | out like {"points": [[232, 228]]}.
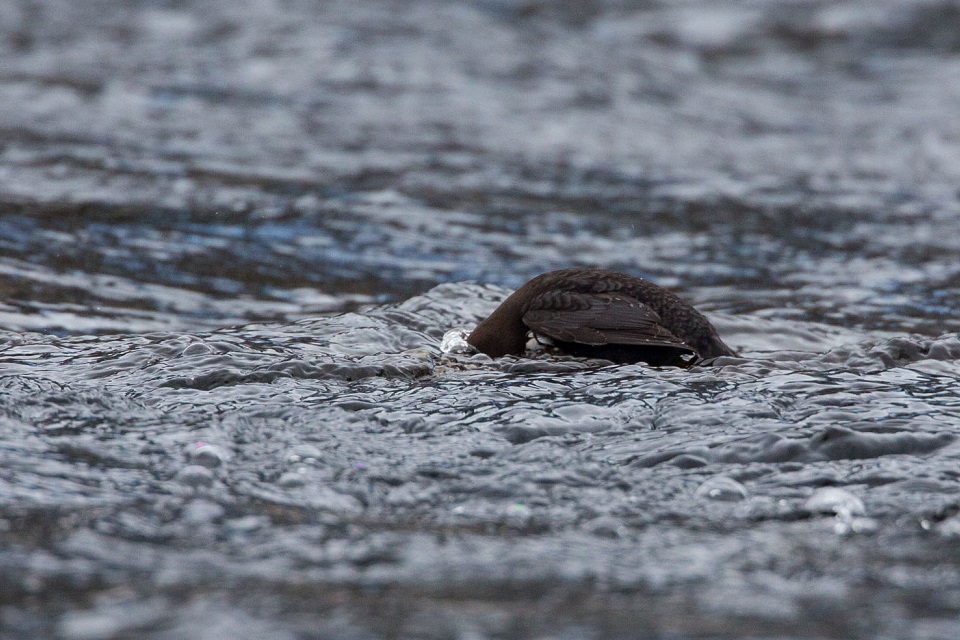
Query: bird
{"points": [[598, 313]]}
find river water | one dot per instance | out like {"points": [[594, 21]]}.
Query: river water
{"points": [[233, 235]]}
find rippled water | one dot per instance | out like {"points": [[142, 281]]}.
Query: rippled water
{"points": [[234, 234]]}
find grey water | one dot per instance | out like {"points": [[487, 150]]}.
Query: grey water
{"points": [[234, 234]]}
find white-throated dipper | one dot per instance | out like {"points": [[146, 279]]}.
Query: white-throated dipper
{"points": [[601, 314]]}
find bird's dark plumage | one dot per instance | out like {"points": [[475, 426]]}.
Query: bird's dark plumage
{"points": [[602, 314]]}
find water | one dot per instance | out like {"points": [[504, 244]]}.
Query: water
{"points": [[234, 235]]}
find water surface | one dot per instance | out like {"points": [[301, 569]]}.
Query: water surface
{"points": [[233, 236]]}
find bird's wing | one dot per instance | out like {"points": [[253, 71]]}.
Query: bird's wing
{"points": [[598, 319]]}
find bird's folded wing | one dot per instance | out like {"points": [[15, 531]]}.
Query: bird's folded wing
{"points": [[597, 319]]}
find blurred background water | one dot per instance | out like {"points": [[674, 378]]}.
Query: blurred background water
{"points": [[232, 235]]}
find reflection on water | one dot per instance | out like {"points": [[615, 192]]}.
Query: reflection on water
{"points": [[233, 238]]}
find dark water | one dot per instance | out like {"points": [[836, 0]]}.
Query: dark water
{"points": [[233, 235]]}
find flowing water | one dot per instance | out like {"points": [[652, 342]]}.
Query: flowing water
{"points": [[234, 234]]}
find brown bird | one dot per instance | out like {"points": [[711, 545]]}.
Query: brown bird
{"points": [[601, 314]]}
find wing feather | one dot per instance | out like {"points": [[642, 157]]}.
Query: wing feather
{"points": [[598, 319]]}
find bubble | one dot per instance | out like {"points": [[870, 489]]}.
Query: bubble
{"points": [[721, 488], [605, 527], [206, 455], [197, 349], [835, 501], [194, 475], [305, 453]]}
